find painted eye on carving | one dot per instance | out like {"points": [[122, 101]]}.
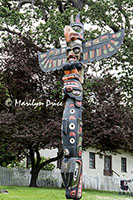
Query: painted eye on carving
{"points": [[72, 140], [76, 50], [72, 126], [77, 29], [76, 92], [72, 111]]}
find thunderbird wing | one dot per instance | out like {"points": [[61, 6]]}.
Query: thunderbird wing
{"points": [[52, 60], [102, 47]]}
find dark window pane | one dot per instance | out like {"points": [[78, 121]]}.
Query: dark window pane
{"points": [[91, 160], [108, 165], [123, 165]]}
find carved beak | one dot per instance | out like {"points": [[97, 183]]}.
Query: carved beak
{"points": [[70, 34]]}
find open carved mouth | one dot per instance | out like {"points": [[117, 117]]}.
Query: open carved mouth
{"points": [[71, 58]]}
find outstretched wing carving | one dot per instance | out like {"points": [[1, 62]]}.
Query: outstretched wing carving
{"points": [[102, 47], [52, 60]]}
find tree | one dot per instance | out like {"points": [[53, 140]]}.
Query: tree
{"points": [[112, 16], [107, 15], [29, 128], [6, 157], [108, 123], [26, 29]]}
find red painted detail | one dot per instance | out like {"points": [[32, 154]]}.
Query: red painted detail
{"points": [[71, 105], [80, 153], [86, 55], [80, 129], [93, 53], [80, 185], [44, 60], [78, 103], [47, 62], [104, 37], [109, 45], [114, 36], [72, 134], [100, 52], [45, 55], [69, 89], [104, 47], [76, 76], [80, 36], [73, 193], [112, 41], [72, 117], [51, 52], [50, 61], [73, 36], [54, 63], [78, 20], [79, 161]]}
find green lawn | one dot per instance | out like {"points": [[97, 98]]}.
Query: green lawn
{"points": [[26, 193]]}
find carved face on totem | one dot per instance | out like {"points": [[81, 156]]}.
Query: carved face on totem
{"points": [[74, 52], [74, 36]]}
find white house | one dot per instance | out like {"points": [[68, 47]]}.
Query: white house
{"points": [[99, 172], [115, 165], [103, 172]]}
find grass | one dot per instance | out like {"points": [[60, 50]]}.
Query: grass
{"points": [[26, 193]]}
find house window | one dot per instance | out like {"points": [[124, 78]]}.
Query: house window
{"points": [[91, 160], [108, 165], [123, 164]]}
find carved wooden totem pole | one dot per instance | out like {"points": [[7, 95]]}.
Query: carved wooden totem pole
{"points": [[72, 60]]}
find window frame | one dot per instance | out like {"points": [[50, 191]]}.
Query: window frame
{"points": [[108, 172], [93, 160], [125, 165]]}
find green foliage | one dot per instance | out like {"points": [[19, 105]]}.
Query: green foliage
{"points": [[17, 164], [6, 157], [106, 119], [48, 167], [24, 193], [24, 30], [22, 164], [4, 91], [57, 92]]}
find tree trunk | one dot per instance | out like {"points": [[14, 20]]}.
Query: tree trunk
{"points": [[38, 166], [34, 176]]}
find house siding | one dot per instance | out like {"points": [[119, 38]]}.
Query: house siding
{"points": [[99, 162], [116, 164]]}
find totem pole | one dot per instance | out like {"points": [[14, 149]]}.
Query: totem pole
{"points": [[72, 60]]}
